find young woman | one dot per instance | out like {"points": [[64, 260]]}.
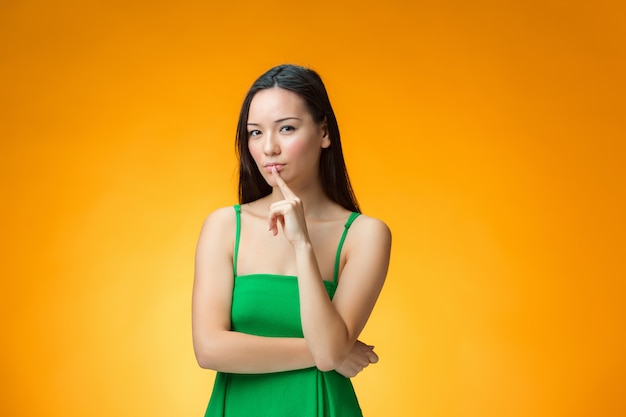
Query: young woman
{"points": [[286, 280]]}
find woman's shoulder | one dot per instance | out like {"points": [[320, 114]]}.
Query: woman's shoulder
{"points": [[372, 223], [366, 228], [219, 220], [368, 245], [223, 213]]}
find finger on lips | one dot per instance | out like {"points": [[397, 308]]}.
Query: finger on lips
{"points": [[282, 185]]}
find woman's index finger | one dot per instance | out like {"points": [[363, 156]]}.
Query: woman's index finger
{"points": [[287, 193]]}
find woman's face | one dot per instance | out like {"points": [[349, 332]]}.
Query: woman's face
{"points": [[282, 133]]}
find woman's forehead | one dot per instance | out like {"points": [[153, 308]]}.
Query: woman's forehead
{"points": [[276, 103]]}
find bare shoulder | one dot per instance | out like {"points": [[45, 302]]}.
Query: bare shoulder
{"points": [[369, 237], [371, 228], [367, 255], [221, 215], [219, 223]]}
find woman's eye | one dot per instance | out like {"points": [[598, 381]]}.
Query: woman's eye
{"points": [[287, 129], [254, 133]]}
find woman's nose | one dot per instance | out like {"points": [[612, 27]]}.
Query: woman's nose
{"points": [[270, 146]]}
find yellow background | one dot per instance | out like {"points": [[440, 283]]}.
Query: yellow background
{"points": [[489, 135]]}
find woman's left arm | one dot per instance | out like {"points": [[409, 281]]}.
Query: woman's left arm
{"points": [[331, 328]]}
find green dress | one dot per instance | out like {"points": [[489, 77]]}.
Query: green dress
{"points": [[268, 305]]}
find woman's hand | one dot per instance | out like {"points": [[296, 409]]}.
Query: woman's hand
{"points": [[358, 359], [289, 212]]}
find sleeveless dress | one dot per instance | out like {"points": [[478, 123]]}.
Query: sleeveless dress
{"points": [[268, 305]]}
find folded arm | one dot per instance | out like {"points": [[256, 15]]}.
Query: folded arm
{"points": [[331, 328], [219, 348], [215, 345]]}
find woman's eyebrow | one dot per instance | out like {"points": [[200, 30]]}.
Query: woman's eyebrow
{"points": [[277, 121], [287, 118]]}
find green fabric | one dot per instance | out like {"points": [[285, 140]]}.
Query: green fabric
{"points": [[268, 305], [352, 218], [238, 233]]}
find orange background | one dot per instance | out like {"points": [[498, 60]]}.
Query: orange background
{"points": [[489, 136]]}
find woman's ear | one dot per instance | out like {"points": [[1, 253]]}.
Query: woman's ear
{"points": [[325, 135]]}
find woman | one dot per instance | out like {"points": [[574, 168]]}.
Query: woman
{"points": [[281, 289]]}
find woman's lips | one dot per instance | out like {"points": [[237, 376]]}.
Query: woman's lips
{"points": [[279, 167]]}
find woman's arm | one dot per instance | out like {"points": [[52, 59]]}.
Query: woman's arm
{"points": [[331, 328], [215, 345]]}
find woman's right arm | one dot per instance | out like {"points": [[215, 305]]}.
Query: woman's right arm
{"points": [[215, 345]]}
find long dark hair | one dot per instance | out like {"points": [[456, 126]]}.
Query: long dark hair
{"points": [[333, 174]]}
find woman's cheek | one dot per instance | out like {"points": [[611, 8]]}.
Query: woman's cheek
{"points": [[255, 152]]}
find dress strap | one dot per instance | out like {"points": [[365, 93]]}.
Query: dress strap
{"points": [[351, 219], [237, 208]]}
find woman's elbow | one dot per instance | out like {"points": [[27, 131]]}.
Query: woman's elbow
{"points": [[329, 357], [329, 361], [205, 356], [205, 362]]}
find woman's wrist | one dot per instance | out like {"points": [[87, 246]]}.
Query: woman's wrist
{"points": [[303, 248]]}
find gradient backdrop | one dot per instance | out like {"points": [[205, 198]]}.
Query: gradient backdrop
{"points": [[489, 135]]}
